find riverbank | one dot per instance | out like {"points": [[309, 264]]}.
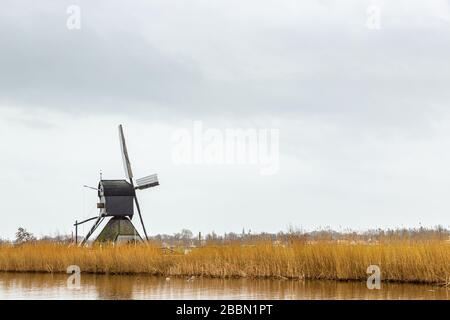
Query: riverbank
{"points": [[402, 261]]}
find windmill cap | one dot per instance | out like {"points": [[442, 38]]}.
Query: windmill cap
{"points": [[113, 188]]}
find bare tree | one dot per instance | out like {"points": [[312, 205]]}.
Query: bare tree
{"points": [[22, 236], [186, 234]]}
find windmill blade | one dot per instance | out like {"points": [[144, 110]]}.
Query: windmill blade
{"points": [[147, 182], [140, 217], [125, 158]]}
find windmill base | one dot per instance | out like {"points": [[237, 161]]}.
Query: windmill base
{"points": [[119, 230]]}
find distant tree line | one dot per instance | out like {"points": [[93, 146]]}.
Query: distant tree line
{"points": [[187, 238]]}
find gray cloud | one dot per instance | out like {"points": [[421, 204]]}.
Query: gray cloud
{"points": [[149, 58], [97, 68]]}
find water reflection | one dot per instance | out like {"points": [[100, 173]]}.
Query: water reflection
{"points": [[48, 286]]}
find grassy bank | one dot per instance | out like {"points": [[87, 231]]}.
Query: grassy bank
{"points": [[423, 261]]}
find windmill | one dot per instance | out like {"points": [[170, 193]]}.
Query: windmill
{"points": [[116, 200]]}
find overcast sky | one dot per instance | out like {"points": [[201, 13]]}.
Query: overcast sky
{"points": [[363, 114]]}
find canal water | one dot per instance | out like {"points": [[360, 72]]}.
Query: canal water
{"points": [[56, 286]]}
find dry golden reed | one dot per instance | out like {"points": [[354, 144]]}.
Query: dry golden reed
{"points": [[427, 261]]}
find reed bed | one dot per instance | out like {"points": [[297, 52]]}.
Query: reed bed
{"points": [[425, 262]]}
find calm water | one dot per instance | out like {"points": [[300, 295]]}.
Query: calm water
{"points": [[48, 286]]}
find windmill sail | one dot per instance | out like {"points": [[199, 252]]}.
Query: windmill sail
{"points": [[147, 182], [125, 158]]}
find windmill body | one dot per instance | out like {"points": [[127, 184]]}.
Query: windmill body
{"points": [[117, 200]]}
